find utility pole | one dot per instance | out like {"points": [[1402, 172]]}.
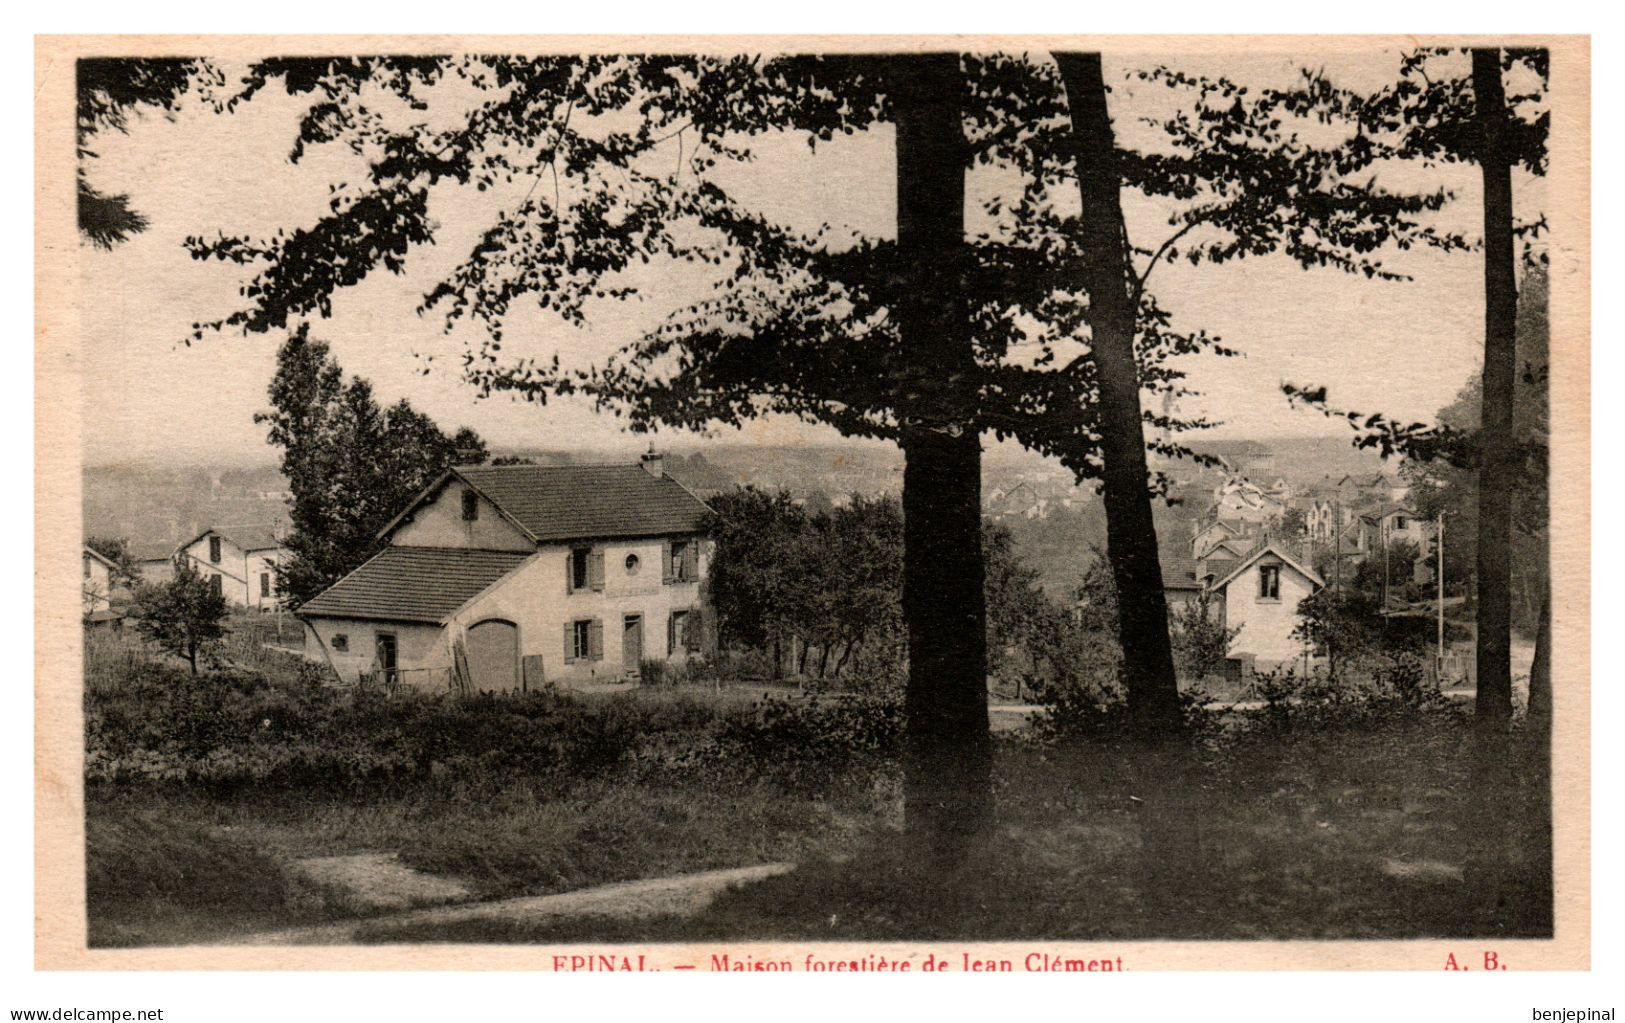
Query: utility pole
{"points": [[1382, 532], [1439, 573], [1337, 545]]}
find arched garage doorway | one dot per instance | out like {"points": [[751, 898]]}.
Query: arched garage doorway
{"points": [[493, 655]]}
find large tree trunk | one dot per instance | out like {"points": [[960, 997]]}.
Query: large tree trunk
{"points": [[1131, 535], [947, 790], [1496, 463]]}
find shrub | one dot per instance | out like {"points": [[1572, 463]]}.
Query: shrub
{"points": [[1087, 700], [809, 746], [1392, 686]]}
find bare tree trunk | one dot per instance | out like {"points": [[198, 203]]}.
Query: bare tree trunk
{"points": [[1496, 455], [1131, 535], [947, 779], [846, 654], [1540, 673]]}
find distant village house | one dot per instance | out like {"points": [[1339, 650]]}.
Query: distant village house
{"points": [[240, 562]]}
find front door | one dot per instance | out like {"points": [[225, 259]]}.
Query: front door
{"points": [[387, 673], [632, 644], [493, 655]]}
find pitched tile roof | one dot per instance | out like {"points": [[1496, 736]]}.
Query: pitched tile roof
{"points": [[1179, 573], [92, 553], [1268, 548], [247, 538], [581, 502], [156, 551], [251, 538], [413, 584]]}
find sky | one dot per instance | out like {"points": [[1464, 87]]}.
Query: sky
{"points": [[1405, 348]]}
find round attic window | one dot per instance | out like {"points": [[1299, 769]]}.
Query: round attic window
{"points": [[632, 564]]}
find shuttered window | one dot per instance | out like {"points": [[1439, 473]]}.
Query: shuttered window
{"points": [[583, 640], [682, 561], [584, 570], [682, 632]]}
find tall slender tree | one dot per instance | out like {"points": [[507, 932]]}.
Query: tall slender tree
{"points": [[1439, 112], [350, 464], [1131, 535], [1497, 463]]}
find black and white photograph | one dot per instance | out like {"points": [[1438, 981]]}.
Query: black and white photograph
{"points": [[815, 504]]}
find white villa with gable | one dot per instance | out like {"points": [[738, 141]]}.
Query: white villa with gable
{"points": [[1255, 587], [240, 562]]}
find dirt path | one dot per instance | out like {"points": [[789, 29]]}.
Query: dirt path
{"points": [[683, 895]]}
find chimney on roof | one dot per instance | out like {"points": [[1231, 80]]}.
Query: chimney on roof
{"points": [[653, 462]]}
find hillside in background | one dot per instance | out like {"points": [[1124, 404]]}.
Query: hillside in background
{"points": [[154, 506]]}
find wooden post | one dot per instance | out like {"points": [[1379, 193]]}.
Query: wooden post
{"points": [[1439, 554]]}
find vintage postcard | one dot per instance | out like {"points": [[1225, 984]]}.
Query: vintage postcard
{"points": [[814, 504]]}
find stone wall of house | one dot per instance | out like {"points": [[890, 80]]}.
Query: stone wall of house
{"points": [[540, 599], [440, 523], [1266, 624], [350, 647]]}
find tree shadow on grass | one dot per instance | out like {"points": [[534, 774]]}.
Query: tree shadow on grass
{"points": [[1364, 835]]}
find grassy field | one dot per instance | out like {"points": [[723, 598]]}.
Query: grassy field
{"points": [[1348, 836], [206, 793]]}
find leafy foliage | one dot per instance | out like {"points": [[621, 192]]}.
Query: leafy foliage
{"points": [[1395, 688], [832, 582], [108, 90], [182, 615], [1442, 458], [1201, 642], [618, 161], [239, 731], [351, 465]]}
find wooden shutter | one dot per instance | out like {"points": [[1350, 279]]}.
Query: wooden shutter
{"points": [[531, 675], [569, 642], [665, 562], [595, 639], [569, 573], [691, 561], [595, 570], [671, 633], [694, 626]]}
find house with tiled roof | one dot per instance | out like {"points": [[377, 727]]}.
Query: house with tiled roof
{"points": [[154, 560], [1253, 585], [511, 577], [240, 562], [1259, 594]]}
